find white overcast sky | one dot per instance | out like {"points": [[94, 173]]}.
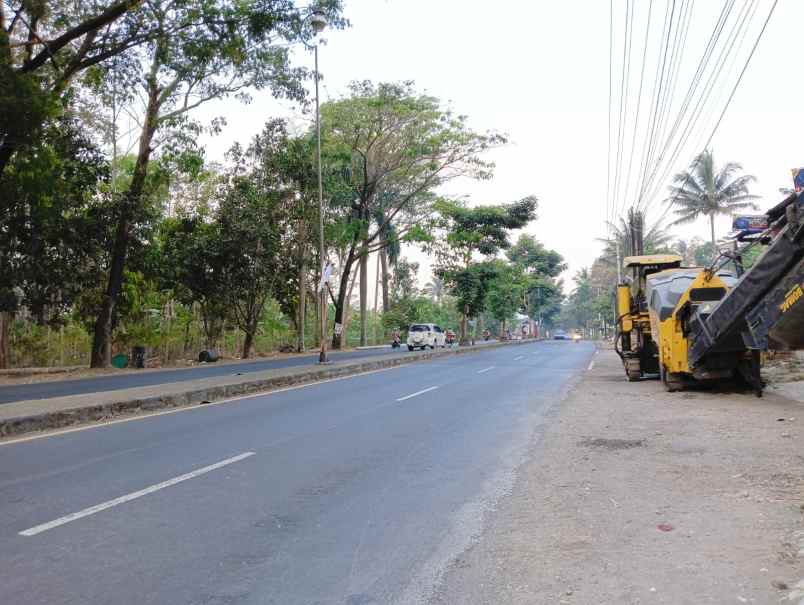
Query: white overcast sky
{"points": [[539, 71]]}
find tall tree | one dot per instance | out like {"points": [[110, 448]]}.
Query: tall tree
{"points": [[506, 292], [534, 258], [395, 146], [43, 47], [479, 230], [193, 267], [52, 225], [540, 267], [706, 190], [435, 289], [199, 52], [653, 238]]}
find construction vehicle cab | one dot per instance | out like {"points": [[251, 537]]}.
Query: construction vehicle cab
{"points": [[635, 343]]}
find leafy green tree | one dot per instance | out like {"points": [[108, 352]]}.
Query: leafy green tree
{"points": [[392, 147], [251, 242], [541, 267], [506, 292], [696, 252], [193, 267], [44, 46], [706, 190], [534, 258], [435, 289], [53, 225], [198, 52], [403, 281], [468, 231], [579, 307]]}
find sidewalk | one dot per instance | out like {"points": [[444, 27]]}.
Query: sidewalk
{"points": [[632, 495]]}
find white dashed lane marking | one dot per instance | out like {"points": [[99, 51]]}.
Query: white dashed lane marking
{"points": [[417, 393], [132, 496]]}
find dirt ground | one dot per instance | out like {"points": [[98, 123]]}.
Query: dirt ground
{"points": [[634, 495]]}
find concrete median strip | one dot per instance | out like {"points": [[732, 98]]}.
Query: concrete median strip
{"points": [[21, 417]]}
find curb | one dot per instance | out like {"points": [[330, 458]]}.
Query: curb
{"points": [[24, 372], [13, 427]]}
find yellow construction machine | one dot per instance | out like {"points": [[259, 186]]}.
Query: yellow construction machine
{"points": [[635, 343], [705, 323], [673, 297]]}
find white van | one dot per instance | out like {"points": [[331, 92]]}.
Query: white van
{"points": [[421, 336]]}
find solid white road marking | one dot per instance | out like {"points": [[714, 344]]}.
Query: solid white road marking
{"points": [[417, 393], [519, 357], [132, 496], [591, 365], [98, 425], [485, 369]]}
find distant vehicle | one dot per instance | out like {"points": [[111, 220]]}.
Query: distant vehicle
{"points": [[576, 336], [422, 336], [560, 335]]}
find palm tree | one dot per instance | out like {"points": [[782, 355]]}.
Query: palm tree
{"points": [[652, 239], [435, 289], [703, 190]]}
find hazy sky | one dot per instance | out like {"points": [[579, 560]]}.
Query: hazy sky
{"points": [[539, 71]]}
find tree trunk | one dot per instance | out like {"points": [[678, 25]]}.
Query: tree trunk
{"points": [[5, 337], [102, 338], [376, 298], [248, 341], [341, 301], [463, 339], [384, 264], [346, 314], [712, 226], [364, 300]]}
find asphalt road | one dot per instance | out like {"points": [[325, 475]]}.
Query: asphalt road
{"points": [[128, 380], [356, 491]]}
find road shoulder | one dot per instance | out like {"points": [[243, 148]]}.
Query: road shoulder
{"points": [[634, 495]]}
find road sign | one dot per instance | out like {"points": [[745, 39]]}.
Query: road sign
{"points": [[749, 223], [798, 179]]}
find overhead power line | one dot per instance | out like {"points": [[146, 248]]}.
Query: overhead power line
{"points": [[733, 91]]}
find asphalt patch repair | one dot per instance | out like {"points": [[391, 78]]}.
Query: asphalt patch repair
{"points": [[632, 495]]}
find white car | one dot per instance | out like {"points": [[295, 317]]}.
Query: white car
{"points": [[421, 336]]}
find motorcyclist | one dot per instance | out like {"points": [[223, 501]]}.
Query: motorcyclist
{"points": [[396, 338], [450, 337]]}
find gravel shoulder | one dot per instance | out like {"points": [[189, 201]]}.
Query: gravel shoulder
{"points": [[634, 495]]}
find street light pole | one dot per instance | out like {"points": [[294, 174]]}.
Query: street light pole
{"points": [[318, 22], [322, 355]]}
